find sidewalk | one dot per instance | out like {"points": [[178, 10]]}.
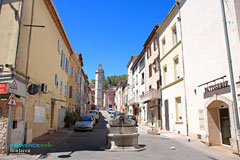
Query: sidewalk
{"points": [[51, 139], [218, 151]]}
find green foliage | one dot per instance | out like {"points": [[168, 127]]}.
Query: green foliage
{"points": [[69, 118], [111, 81]]}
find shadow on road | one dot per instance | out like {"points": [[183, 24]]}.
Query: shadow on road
{"points": [[66, 140]]}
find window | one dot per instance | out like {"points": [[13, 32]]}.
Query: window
{"points": [[61, 86], [65, 90], [62, 59], [67, 66], [72, 71], [56, 79], [165, 75], [179, 111], [157, 65], [150, 87], [59, 46], [70, 91], [110, 94], [76, 77], [136, 79], [149, 51], [158, 84], [155, 43], [110, 99], [142, 78], [176, 69], [142, 63], [174, 35], [150, 70], [163, 46], [76, 95]]}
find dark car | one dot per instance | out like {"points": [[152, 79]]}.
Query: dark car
{"points": [[132, 117]]}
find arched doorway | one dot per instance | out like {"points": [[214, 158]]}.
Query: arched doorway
{"points": [[219, 126]]}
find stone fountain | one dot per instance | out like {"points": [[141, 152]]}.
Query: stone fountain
{"points": [[123, 135]]}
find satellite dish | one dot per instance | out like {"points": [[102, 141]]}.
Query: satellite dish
{"points": [[33, 89]]}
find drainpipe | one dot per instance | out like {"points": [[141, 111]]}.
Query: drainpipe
{"points": [[19, 27], [231, 74], [178, 3], [160, 78]]}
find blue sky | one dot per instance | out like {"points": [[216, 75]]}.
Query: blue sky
{"points": [[110, 31]]}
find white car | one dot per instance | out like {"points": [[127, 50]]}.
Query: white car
{"points": [[94, 113], [109, 110], [84, 123]]}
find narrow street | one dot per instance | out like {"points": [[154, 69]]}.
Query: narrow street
{"points": [[91, 146]]}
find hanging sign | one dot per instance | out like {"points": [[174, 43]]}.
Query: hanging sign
{"points": [[11, 100]]}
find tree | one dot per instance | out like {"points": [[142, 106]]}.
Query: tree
{"points": [[113, 80]]}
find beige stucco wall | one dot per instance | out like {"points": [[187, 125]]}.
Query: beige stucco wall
{"points": [[9, 26], [148, 61], [44, 62], [172, 87], [205, 54]]}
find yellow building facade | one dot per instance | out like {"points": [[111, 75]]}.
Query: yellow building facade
{"points": [[38, 53]]}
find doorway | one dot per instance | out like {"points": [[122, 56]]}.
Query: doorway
{"points": [[166, 115], [52, 115], [219, 129], [225, 125]]}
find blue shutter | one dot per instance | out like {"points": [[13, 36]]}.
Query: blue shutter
{"points": [[65, 90]]}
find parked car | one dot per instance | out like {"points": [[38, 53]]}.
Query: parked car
{"points": [[95, 113], [116, 114], [94, 119], [84, 123], [132, 117], [109, 110], [112, 114]]}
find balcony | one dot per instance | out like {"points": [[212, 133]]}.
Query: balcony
{"points": [[133, 101], [150, 95]]}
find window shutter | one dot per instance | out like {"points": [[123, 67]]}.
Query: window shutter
{"points": [[62, 59], [61, 86], [65, 90], [56, 79], [59, 46]]}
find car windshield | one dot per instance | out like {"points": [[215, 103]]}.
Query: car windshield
{"points": [[91, 111], [131, 117], [85, 118]]}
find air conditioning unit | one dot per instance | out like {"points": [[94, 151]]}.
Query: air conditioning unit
{"points": [[44, 88], [1, 68]]}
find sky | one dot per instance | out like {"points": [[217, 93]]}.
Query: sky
{"points": [[110, 31]]}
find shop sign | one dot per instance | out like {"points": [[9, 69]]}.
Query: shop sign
{"points": [[216, 86], [218, 89], [3, 88]]}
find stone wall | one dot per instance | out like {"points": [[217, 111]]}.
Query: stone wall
{"points": [[3, 134]]}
